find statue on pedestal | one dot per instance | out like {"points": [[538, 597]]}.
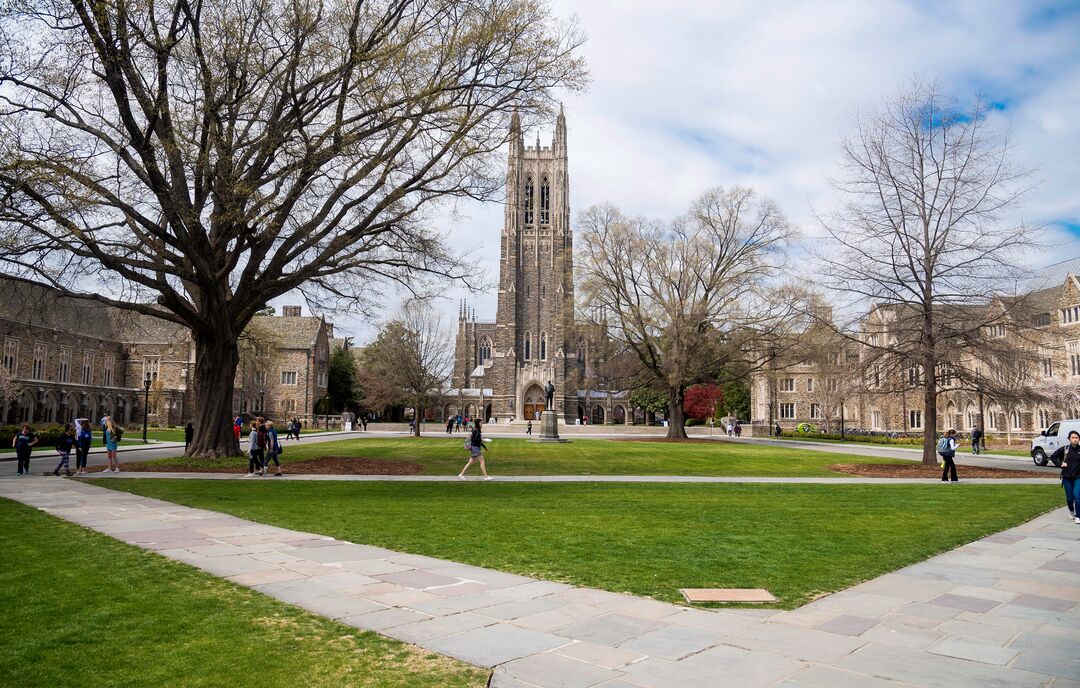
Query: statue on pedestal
{"points": [[550, 391]]}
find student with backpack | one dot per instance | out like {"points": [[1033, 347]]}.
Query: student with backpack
{"points": [[475, 444], [976, 440], [946, 448], [264, 444], [273, 449], [1069, 456], [64, 444], [113, 434]]}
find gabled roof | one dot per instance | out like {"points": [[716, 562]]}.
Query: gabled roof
{"points": [[295, 332]]}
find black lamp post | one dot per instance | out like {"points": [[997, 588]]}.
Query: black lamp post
{"points": [[146, 405], [843, 437], [982, 418]]}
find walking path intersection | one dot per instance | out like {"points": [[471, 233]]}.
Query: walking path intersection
{"points": [[1002, 611]]}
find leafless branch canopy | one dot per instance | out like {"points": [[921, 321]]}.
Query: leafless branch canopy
{"points": [[211, 156]]}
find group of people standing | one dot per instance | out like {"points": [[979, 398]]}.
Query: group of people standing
{"points": [[76, 437], [263, 447], [456, 423]]}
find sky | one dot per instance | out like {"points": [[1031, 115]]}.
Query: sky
{"points": [[689, 95]]}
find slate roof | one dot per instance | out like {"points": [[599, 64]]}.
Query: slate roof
{"points": [[296, 332], [1054, 275], [38, 305]]}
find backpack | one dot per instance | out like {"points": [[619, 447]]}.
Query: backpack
{"points": [[943, 446], [118, 433]]}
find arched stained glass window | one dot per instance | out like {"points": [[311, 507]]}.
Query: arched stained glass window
{"points": [[545, 202], [485, 350], [528, 200]]}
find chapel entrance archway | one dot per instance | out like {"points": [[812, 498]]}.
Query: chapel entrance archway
{"points": [[534, 402]]}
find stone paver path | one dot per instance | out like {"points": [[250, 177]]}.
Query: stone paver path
{"points": [[1002, 611]]}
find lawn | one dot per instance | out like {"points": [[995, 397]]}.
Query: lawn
{"points": [[796, 540], [82, 609], [446, 456], [964, 450]]}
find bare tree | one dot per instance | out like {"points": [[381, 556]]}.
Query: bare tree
{"points": [[924, 233], [410, 361], [9, 391], [193, 160], [690, 300]]}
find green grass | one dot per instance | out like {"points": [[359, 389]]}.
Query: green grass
{"points": [[82, 609], [648, 539], [446, 456]]}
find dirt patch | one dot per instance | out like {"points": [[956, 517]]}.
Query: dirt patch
{"points": [[918, 470], [688, 440], [327, 465]]}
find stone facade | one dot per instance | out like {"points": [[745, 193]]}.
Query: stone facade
{"points": [[73, 358], [889, 398], [502, 366]]}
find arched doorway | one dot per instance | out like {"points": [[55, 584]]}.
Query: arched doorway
{"points": [[580, 414], [487, 413], [52, 407], [534, 402], [618, 415], [597, 415]]}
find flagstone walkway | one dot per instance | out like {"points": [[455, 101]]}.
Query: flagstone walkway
{"points": [[1002, 611]]}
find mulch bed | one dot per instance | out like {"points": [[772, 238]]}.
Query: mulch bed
{"points": [[918, 470], [327, 465], [688, 440]]}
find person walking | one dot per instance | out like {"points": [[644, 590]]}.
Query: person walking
{"points": [[449, 424], [1069, 456], [113, 435], [476, 445], [264, 445], [976, 440], [254, 454], [64, 444], [189, 434], [528, 428], [364, 423], [779, 432], [947, 449], [24, 442], [738, 430], [273, 450], [84, 439]]}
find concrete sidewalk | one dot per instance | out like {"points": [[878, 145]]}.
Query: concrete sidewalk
{"points": [[852, 480], [1002, 611]]}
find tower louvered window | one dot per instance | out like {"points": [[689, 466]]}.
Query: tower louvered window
{"points": [[529, 201]]}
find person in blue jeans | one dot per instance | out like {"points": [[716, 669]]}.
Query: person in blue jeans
{"points": [[83, 440], [1070, 473], [24, 443], [273, 447]]}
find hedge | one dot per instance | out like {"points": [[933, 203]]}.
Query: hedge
{"points": [[869, 439]]}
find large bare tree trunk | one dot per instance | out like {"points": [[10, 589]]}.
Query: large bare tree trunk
{"points": [[216, 358], [676, 414], [929, 454]]}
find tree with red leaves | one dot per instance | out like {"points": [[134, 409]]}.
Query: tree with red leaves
{"points": [[701, 400]]}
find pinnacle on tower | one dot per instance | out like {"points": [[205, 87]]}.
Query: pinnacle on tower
{"points": [[559, 143]]}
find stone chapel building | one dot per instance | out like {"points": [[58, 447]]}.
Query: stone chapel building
{"points": [[502, 366]]}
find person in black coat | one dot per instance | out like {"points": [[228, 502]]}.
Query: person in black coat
{"points": [[976, 440], [1070, 473], [189, 434]]}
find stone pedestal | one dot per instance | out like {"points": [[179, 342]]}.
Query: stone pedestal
{"points": [[549, 428]]}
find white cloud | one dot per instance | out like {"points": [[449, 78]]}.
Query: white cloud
{"points": [[687, 95]]}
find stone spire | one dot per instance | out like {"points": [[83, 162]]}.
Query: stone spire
{"points": [[559, 143]]}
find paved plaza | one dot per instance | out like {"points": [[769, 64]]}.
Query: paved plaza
{"points": [[1002, 611]]}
